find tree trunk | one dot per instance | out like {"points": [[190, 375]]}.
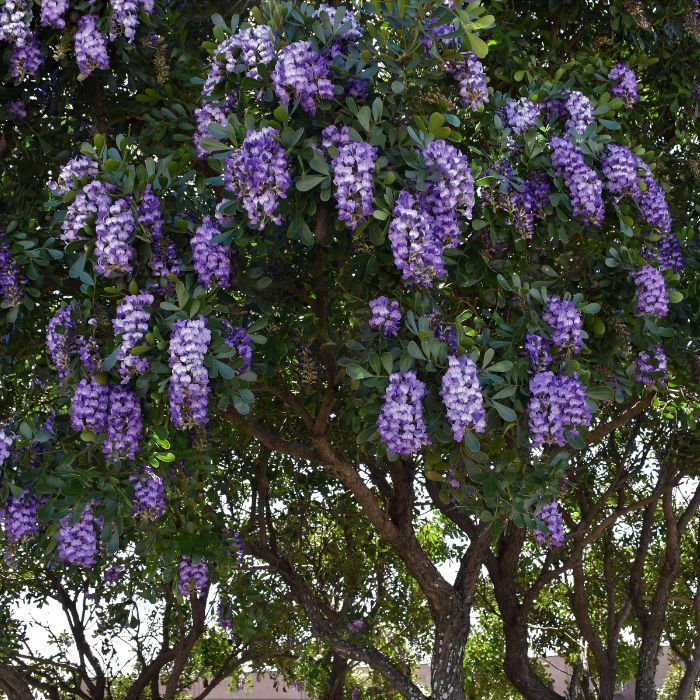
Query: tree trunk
{"points": [[14, 685], [447, 663], [336, 683]]}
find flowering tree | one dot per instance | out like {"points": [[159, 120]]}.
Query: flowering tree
{"points": [[359, 239]]}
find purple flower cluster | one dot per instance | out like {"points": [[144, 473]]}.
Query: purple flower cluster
{"points": [[223, 616], [520, 114], [625, 86], [472, 82], [26, 59], [239, 339], [385, 315], [93, 200], [416, 247], [302, 73], [149, 494], [400, 423], [124, 427], [19, 516], [619, 167], [149, 211], [355, 626], [238, 548], [646, 366], [52, 12], [78, 542], [552, 518], [339, 44], [113, 231], [90, 45], [584, 185], [132, 323], [461, 394], [332, 136], [125, 17], [557, 401], [15, 19], [652, 297], [61, 345], [6, 441], [670, 254], [210, 113], [211, 261], [72, 173], [113, 574], [164, 258], [653, 201], [563, 316], [17, 108], [90, 405], [11, 280], [537, 349], [194, 578], [353, 170], [257, 173], [189, 384], [580, 112]]}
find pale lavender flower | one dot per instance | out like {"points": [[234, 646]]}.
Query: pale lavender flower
{"points": [[239, 339], [563, 316], [11, 279], [52, 12], [149, 494], [652, 297], [90, 406], [77, 543], [647, 366], [132, 323], [113, 230], [211, 261], [461, 394], [400, 423], [521, 114], [124, 427], [580, 112], [538, 350], [552, 518], [472, 82], [625, 86], [17, 109], [90, 45], [194, 578], [619, 167], [19, 516], [353, 170], [26, 59], [385, 315]]}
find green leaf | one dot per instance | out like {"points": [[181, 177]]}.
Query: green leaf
{"points": [[478, 45], [26, 430], [508, 414], [675, 297], [67, 459], [600, 393], [471, 441], [224, 370], [310, 182], [366, 434], [414, 351], [491, 487], [356, 372], [502, 366], [387, 362], [77, 267], [208, 144], [112, 359]]}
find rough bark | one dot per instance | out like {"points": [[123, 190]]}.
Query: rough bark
{"points": [[336, 682], [14, 685]]}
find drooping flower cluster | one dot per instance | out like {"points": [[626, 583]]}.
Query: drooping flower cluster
{"points": [[61, 345], [125, 17], [461, 394], [416, 248], [238, 548], [132, 323], [552, 518], [356, 625], [353, 169], [385, 315], [302, 73], [19, 516], [94, 200], [653, 201], [625, 86], [472, 82], [90, 45], [113, 574], [26, 59], [211, 261], [11, 280], [77, 543], [557, 401], [149, 211], [223, 616], [435, 31], [333, 136], [149, 494], [71, 174], [652, 297], [210, 113], [6, 442], [400, 423], [194, 578], [619, 167], [90, 405], [189, 384], [647, 366], [113, 230], [580, 112], [352, 33], [17, 108], [238, 338], [582, 181], [537, 349], [15, 18], [257, 174], [52, 12], [124, 428], [520, 114], [670, 255], [563, 316]]}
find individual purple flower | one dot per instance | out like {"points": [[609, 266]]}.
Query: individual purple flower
{"points": [[385, 315], [353, 170], [653, 201], [132, 324], [149, 494], [301, 73], [19, 516], [113, 574], [26, 59], [93, 200], [582, 181], [565, 319], [461, 394], [537, 349], [417, 250], [400, 423], [194, 578], [520, 115], [17, 109], [211, 261], [113, 230], [6, 442], [77, 543], [552, 518], [648, 366], [189, 384], [580, 112], [124, 428], [619, 167], [652, 297], [625, 86], [472, 82], [11, 280], [61, 345], [52, 12], [332, 136], [239, 339], [557, 401], [71, 174], [90, 45], [90, 406], [257, 174]]}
